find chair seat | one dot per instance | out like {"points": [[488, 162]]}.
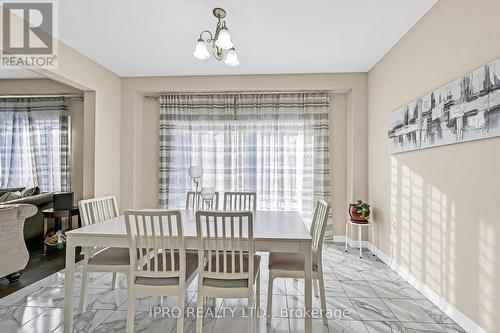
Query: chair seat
{"points": [[111, 256], [191, 266], [288, 261], [231, 283]]}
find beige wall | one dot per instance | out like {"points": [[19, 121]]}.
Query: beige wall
{"points": [[75, 107], [102, 121], [140, 129], [434, 207]]}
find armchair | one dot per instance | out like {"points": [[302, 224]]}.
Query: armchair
{"points": [[13, 252]]}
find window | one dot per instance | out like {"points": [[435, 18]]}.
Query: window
{"points": [[273, 144], [34, 143]]}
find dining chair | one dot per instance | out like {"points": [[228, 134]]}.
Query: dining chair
{"points": [[229, 267], [160, 264], [291, 265], [195, 201], [111, 259], [240, 201]]}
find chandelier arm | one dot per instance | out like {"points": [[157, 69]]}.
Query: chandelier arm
{"points": [[208, 40]]}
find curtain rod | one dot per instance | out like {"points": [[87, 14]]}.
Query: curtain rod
{"points": [[39, 96], [156, 95]]}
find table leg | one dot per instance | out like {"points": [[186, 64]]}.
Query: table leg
{"points": [[70, 221], [359, 240], [69, 280], [308, 288], [45, 221]]}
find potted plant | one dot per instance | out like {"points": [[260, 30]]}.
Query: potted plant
{"points": [[359, 211]]}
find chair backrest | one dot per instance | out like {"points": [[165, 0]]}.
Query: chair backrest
{"points": [[224, 239], [156, 243], [98, 209], [240, 201], [320, 218], [195, 201]]}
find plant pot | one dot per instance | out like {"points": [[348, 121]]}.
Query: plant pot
{"points": [[355, 216]]}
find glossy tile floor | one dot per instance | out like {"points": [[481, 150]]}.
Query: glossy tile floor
{"points": [[363, 295]]}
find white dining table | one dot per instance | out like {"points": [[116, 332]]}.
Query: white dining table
{"points": [[276, 231]]}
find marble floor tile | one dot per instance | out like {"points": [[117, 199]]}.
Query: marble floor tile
{"points": [[384, 327], [279, 287], [452, 328], [406, 310], [45, 322], [297, 325], [381, 274], [279, 303], [14, 317], [343, 274], [333, 288], [89, 320], [342, 308], [363, 295], [358, 289], [117, 322], [409, 290], [434, 312], [347, 326], [423, 328], [388, 289], [372, 309]]}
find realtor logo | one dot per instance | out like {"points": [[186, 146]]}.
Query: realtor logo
{"points": [[28, 34]]}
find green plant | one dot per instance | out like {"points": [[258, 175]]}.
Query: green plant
{"points": [[363, 209]]}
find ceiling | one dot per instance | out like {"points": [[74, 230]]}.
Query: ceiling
{"points": [[157, 37]]}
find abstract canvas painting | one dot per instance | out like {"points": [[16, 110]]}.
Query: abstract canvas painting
{"points": [[463, 110]]}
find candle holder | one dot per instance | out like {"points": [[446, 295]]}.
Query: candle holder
{"points": [[196, 171], [207, 194]]}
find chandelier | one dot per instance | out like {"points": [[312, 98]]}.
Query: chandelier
{"points": [[220, 42]]}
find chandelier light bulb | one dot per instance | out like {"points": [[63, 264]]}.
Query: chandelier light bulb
{"points": [[224, 39], [201, 51], [232, 58]]}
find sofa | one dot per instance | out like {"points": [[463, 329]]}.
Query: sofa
{"points": [[33, 227], [13, 252]]}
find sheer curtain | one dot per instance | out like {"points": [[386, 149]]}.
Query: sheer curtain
{"points": [[34, 143], [274, 144]]}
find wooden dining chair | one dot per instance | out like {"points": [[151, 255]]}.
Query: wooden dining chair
{"points": [[228, 264], [111, 259], [240, 201], [195, 201], [291, 265], [160, 264]]}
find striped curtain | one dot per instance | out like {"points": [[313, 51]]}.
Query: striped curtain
{"points": [[34, 143], [273, 144]]}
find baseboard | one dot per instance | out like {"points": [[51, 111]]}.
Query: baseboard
{"points": [[456, 315]]}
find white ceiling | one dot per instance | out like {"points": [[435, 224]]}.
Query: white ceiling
{"points": [[157, 37]]}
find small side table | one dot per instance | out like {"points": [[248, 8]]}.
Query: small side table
{"points": [[50, 213], [359, 225]]}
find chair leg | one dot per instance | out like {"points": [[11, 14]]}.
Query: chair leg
{"points": [[199, 319], [346, 232], [250, 307], [315, 284], [322, 295], [269, 298], [181, 305], [130, 309], [257, 294], [113, 281], [85, 282]]}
